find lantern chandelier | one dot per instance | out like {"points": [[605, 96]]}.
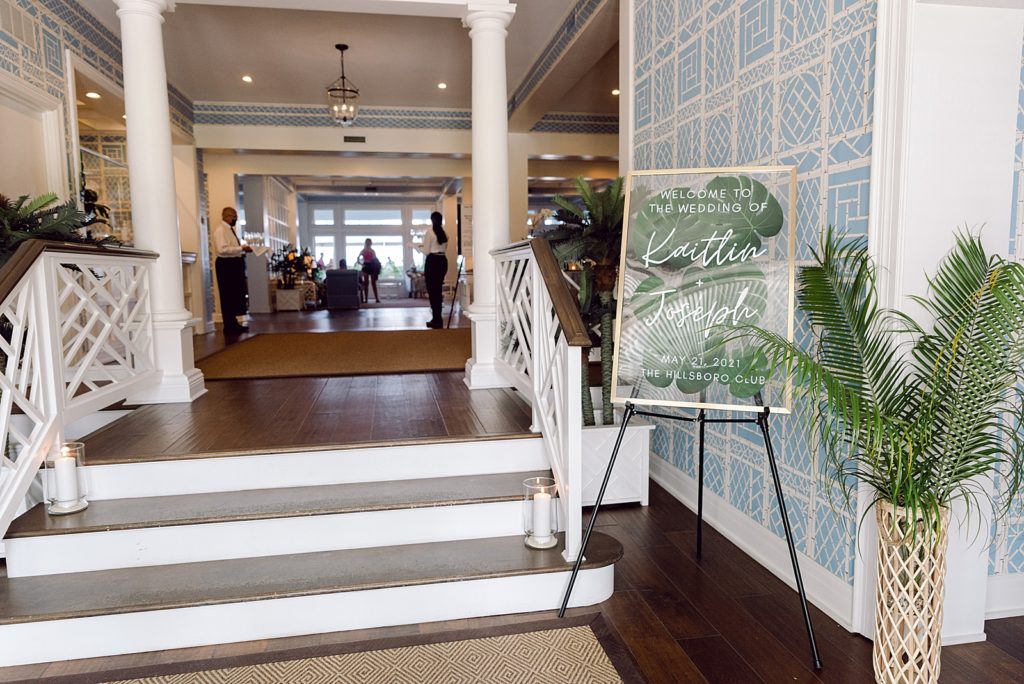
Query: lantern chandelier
{"points": [[342, 95]]}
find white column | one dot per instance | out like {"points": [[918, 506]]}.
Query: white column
{"points": [[487, 25], [154, 201]]}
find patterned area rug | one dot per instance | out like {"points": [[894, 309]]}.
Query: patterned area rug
{"points": [[587, 652], [369, 352]]}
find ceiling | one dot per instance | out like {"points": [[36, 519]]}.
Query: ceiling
{"points": [[102, 114], [394, 60]]}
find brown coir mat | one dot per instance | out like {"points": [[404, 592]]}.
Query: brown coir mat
{"points": [[371, 352], [576, 649]]}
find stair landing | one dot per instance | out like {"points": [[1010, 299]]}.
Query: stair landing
{"points": [[288, 414]]}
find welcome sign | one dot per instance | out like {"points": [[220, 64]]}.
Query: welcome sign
{"points": [[704, 252]]}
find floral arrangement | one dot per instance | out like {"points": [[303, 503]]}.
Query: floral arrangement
{"points": [[290, 265]]}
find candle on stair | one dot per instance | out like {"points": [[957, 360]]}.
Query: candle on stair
{"points": [[542, 517], [66, 474]]}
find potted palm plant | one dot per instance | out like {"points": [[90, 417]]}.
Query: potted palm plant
{"points": [[918, 411], [588, 238]]}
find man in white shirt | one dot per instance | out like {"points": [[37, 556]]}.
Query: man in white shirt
{"points": [[230, 266]]}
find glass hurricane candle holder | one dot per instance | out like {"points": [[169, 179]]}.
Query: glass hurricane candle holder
{"points": [[540, 512], [63, 485]]}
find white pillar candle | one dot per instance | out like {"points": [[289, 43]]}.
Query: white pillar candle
{"points": [[66, 475], [542, 517]]}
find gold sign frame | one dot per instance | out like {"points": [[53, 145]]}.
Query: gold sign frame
{"points": [[789, 216]]}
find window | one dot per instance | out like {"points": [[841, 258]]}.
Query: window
{"points": [[373, 217], [323, 249], [421, 217], [389, 250], [323, 217]]}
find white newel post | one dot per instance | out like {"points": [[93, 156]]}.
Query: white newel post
{"points": [[154, 205], [487, 29]]}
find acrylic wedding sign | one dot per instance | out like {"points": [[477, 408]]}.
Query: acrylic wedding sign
{"points": [[704, 253]]}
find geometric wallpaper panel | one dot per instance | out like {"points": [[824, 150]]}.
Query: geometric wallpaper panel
{"points": [[763, 82], [1008, 549]]}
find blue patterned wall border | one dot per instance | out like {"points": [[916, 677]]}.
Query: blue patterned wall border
{"points": [[565, 122], [758, 82], [570, 27], [247, 114]]}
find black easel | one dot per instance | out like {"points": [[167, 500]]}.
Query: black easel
{"points": [[455, 292], [701, 419]]}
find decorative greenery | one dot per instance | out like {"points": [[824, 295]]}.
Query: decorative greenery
{"points": [[42, 218], [290, 265], [916, 412], [590, 236]]}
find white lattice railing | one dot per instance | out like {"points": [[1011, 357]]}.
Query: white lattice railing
{"points": [[76, 335], [539, 352]]}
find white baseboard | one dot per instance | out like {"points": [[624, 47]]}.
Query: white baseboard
{"points": [[173, 389], [826, 591], [1005, 597], [156, 630]]}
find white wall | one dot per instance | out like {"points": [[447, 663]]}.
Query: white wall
{"points": [[23, 142], [946, 107]]}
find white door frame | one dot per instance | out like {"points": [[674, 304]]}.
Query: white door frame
{"points": [[51, 116]]}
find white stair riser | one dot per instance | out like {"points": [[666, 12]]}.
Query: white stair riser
{"points": [[104, 550], [38, 642], [310, 468]]}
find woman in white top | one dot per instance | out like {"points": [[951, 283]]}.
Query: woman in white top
{"points": [[436, 267]]}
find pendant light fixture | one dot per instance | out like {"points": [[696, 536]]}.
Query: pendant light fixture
{"points": [[342, 95]]}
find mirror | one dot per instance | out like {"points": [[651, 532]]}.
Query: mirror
{"points": [[102, 151]]}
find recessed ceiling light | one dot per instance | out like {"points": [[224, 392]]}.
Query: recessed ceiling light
{"points": [[442, 85], [247, 78], [92, 96], [124, 116], [615, 92]]}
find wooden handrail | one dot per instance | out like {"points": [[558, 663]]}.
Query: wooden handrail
{"points": [[30, 250], [566, 309]]}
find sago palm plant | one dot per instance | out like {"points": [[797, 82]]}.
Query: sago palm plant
{"points": [[915, 410], [590, 234]]}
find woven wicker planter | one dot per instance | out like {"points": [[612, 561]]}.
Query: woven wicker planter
{"points": [[911, 588]]}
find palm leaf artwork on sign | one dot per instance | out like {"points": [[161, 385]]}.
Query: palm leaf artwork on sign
{"points": [[702, 259]]}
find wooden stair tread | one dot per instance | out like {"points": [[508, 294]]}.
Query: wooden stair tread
{"points": [[112, 592], [104, 458], [263, 504]]}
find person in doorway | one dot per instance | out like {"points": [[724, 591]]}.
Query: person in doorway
{"points": [[435, 267], [230, 267], [371, 269]]}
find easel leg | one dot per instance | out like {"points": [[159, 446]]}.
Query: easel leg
{"points": [[597, 505], [700, 483], [762, 422]]}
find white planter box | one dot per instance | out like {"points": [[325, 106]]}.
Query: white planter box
{"points": [[629, 481]]}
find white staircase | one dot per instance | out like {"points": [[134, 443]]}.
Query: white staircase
{"points": [[211, 550]]}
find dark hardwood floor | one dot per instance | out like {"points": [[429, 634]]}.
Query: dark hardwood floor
{"points": [[242, 415], [722, 619]]}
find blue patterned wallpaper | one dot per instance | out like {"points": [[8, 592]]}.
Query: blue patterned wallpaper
{"points": [[726, 82], [1007, 555]]}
